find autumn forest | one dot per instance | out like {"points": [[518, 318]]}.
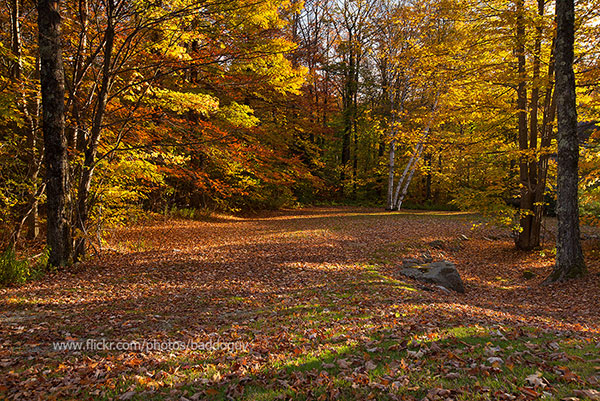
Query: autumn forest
{"points": [[287, 199]]}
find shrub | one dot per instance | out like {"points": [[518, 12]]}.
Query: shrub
{"points": [[12, 270]]}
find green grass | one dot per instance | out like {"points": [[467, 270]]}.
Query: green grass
{"points": [[378, 364]]}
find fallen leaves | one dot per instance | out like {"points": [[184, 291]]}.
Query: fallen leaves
{"points": [[536, 380], [316, 293], [591, 394]]}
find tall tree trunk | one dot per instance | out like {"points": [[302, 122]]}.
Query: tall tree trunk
{"points": [[355, 142], [392, 167], [348, 114], [569, 256], [83, 193], [402, 178], [31, 159], [52, 80], [409, 170], [78, 132], [413, 167], [533, 180], [15, 37], [547, 129], [523, 240]]}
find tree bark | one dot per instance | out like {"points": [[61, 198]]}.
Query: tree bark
{"points": [[413, 167], [409, 170], [392, 168], [348, 112], [52, 80], [31, 159], [87, 173], [428, 177], [547, 129], [569, 256], [524, 240]]}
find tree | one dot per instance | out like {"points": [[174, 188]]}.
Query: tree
{"points": [[533, 163], [569, 256], [352, 27], [28, 152], [52, 80], [524, 239]]}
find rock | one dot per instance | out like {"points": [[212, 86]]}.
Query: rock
{"points": [[412, 272], [444, 274], [440, 273], [443, 288], [410, 262]]}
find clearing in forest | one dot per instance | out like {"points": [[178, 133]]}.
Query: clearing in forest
{"points": [[311, 304]]}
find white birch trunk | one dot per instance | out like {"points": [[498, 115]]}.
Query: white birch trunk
{"points": [[391, 176], [411, 166], [409, 179], [402, 178]]}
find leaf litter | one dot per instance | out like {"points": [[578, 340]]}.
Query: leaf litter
{"points": [[317, 295]]}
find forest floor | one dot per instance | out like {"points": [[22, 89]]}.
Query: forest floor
{"points": [[311, 305]]}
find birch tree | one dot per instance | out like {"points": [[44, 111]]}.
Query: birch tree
{"points": [[414, 70]]}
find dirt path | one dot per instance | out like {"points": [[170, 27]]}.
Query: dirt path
{"points": [[268, 281]]}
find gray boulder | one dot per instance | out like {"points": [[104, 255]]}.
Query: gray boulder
{"points": [[439, 273], [410, 262]]}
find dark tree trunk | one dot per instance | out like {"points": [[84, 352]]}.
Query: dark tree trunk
{"points": [[569, 257], [348, 115], [524, 240], [15, 28], [52, 82], [87, 173]]}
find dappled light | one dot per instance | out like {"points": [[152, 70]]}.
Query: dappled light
{"points": [[317, 298]]}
